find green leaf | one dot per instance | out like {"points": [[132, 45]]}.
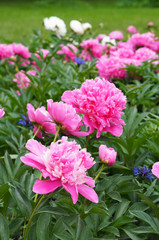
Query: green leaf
{"points": [[8, 164], [42, 226], [4, 230], [97, 209], [112, 230], [131, 235], [52, 210], [14, 225], [146, 218], [122, 221], [121, 209], [115, 195]]}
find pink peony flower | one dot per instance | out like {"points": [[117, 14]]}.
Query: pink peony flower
{"points": [[155, 169], [69, 51], [123, 53], [143, 40], [65, 164], [21, 50], [132, 29], [107, 155], [2, 112], [117, 35], [101, 103], [110, 68], [6, 51], [65, 115], [144, 54], [45, 52], [22, 80], [92, 48], [40, 117], [100, 37]]}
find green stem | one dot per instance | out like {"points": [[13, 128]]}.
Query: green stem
{"points": [[97, 176], [32, 215], [36, 132], [36, 195], [58, 130]]}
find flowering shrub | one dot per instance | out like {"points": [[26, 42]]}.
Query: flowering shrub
{"points": [[82, 126]]}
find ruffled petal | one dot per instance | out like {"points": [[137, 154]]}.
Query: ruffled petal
{"points": [[72, 190], [88, 193], [46, 186]]}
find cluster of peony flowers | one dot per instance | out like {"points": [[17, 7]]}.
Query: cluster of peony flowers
{"points": [[101, 103], [65, 164]]}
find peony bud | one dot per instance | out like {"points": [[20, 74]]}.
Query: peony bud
{"points": [[107, 155]]}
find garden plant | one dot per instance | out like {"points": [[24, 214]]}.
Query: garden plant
{"points": [[79, 135]]}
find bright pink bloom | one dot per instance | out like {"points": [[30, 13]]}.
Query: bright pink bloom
{"points": [[21, 50], [101, 103], [143, 40], [40, 117], [65, 115], [65, 163], [2, 112], [117, 35], [110, 68], [45, 52], [100, 37], [144, 54], [155, 169], [107, 155], [6, 51], [123, 53], [132, 29], [22, 80], [150, 24], [69, 51], [92, 48]]}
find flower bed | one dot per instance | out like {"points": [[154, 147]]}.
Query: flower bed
{"points": [[79, 135]]}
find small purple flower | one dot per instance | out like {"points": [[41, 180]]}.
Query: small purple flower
{"points": [[24, 121], [144, 172], [79, 61]]}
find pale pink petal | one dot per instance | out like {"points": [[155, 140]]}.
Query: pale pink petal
{"points": [[2, 112], [46, 186], [30, 162], [90, 181], [155, 169], [72, 190], [35, 147], [88, 193], [31, 112]]}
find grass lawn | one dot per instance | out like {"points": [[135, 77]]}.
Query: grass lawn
{"points": [[19, 18]]}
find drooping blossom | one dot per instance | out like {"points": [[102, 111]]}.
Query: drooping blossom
{"points": [[155, 169], [6, 51], [107, 155], [86, 26], [20, 49], [56, 25], [132, 29], [69, 51], [117, 35], [65, 164], [76, 27], [65, 115], [92, 48], [144, 172], [2, 112], [40, 117], [101, 103], [22, 80]]}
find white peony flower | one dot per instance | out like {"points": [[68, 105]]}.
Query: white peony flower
{"points": [[108, 40], [56, 25], [76, 27], [86, 26]]}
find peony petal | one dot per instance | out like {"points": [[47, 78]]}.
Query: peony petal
{"points": [[72, 190], [114, 130], [47, 186], [90, 181], [36, 147], [32, 163], [155, 169], [88, 193], [31, 112]]}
